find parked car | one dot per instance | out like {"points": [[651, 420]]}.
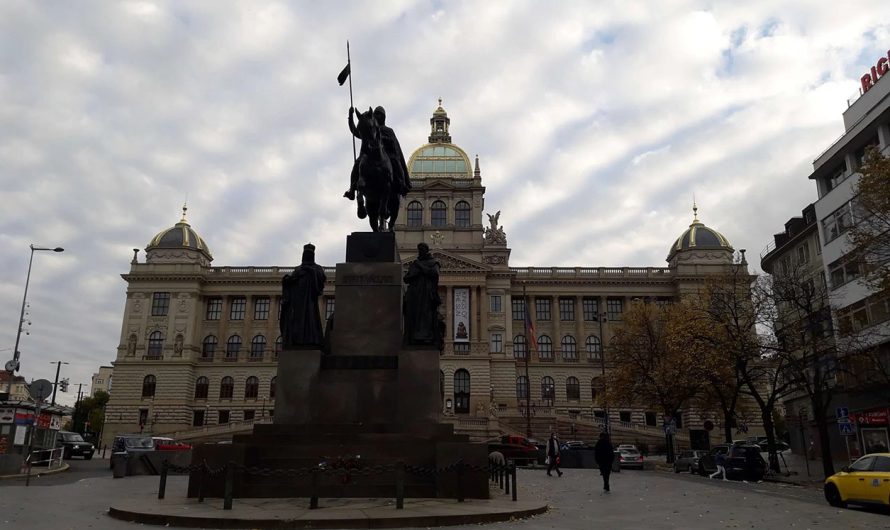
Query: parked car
{"points": [[73, 444], [632, 447], [630, 458], [516, 448], [688, 461], [745, 463], [865, 481], [132, 444], [782, 449], [574, 444], [162, 443]]}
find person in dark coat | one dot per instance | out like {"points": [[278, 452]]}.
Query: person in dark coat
{"points": [[553, 455], [300, 319], [604, 454]]}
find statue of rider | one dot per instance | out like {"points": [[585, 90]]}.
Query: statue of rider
{"points": [[392, 149]]}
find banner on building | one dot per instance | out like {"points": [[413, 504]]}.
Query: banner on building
{"points": [[461, 314], [43, 420], [55, 423], [7, 415], [24, 417]]}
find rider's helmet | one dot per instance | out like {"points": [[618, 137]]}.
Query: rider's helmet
{"points": [[380, 114]]}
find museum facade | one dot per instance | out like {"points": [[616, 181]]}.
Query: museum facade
{"points": [[199, 342]]}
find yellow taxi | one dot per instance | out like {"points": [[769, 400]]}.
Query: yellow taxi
{"points": [[865, 481]]}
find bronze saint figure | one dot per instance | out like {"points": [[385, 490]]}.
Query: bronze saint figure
{"points": [[300, 318], [421, 307]]}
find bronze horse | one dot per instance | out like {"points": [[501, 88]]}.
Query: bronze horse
{"points": [[377, 197]]}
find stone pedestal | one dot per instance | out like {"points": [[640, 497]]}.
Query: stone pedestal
{"points": [[370, 402]]}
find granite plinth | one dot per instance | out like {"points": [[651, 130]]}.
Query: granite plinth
{"points": [[346, 420]]}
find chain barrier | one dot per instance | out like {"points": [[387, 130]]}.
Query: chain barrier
{"points": [[503, 474]]}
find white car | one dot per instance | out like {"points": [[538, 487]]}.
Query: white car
{"points": [[630, 447]]}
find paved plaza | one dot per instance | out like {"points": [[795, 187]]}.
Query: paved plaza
{"points": [[640, 499]]}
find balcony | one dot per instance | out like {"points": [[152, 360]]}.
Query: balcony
{"points": [[230, 358], [206, 358], [152, 357]]}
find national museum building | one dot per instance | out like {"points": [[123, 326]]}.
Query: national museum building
{"points": [[199, 343]]}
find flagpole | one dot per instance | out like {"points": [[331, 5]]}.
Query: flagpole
{"points": [[351, 104]]}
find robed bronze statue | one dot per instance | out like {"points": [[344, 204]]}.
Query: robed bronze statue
{"points": [[421, 306], [300, 319]]}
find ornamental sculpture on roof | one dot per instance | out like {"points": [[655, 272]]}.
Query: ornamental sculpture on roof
{"points": [[494, 234]]}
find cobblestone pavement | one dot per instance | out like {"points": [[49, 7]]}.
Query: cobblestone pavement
{"points": [[640, 499]]}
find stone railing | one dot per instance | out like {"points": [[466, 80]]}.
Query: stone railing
{"points": [[590, 272], [217, 431]]}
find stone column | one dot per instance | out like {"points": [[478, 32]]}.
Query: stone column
{"points": [[557, 328]]}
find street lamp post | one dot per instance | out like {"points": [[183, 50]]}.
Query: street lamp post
{"points": [[13, 365], [603, 317]]}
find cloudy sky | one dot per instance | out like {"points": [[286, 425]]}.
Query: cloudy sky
{"points": [[595, 122]]}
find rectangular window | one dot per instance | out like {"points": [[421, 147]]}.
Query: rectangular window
{"points": [[650, 419], [803, 254], [840, 220], [542, 308], [624, 416], [214, 308], [143, 416], [329, 307], [249, 415], [844, 271], [566, 309], [495, 305], [239, 305], [160, 304], [497, 343], [223, 417], [261, 308], [518, 309], [590, 309], [614, 308], [197, 418]]}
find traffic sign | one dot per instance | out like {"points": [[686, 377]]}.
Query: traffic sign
{"points": [[842, 412], [846, 429]]}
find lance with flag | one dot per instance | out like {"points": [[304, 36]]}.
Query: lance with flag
{"points": [[345, 74]]}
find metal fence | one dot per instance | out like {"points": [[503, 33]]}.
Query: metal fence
{"points": [[503, 475]]}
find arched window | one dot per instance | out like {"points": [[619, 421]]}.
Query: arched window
{"points": [[226, 388], [522, 387], [208, 347], [257, 347], [461, 391], [272, 387], [279, 344], [155, 344], [462, 214], [545, 348], [548, 390], [202, 384], [594, 348], [232, 347], [569, 349], [415, 214], [251, 387], [148, 386], [438, 213], [519, 349], [573, 389], [596, 388]]}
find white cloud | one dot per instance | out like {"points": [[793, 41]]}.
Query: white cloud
{"points": [[595, 123]]}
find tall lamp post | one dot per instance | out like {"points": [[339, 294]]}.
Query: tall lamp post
{"points": [[13, 365]]}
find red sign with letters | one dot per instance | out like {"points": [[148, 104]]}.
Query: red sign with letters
{"points": [[876, 417], [878, 71]]}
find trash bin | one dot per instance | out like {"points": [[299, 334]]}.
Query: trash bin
{"points": [[119, 464]]}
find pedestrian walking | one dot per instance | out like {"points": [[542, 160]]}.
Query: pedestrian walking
{"points": [[604, 454], [721, 466], [553, 455]]}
